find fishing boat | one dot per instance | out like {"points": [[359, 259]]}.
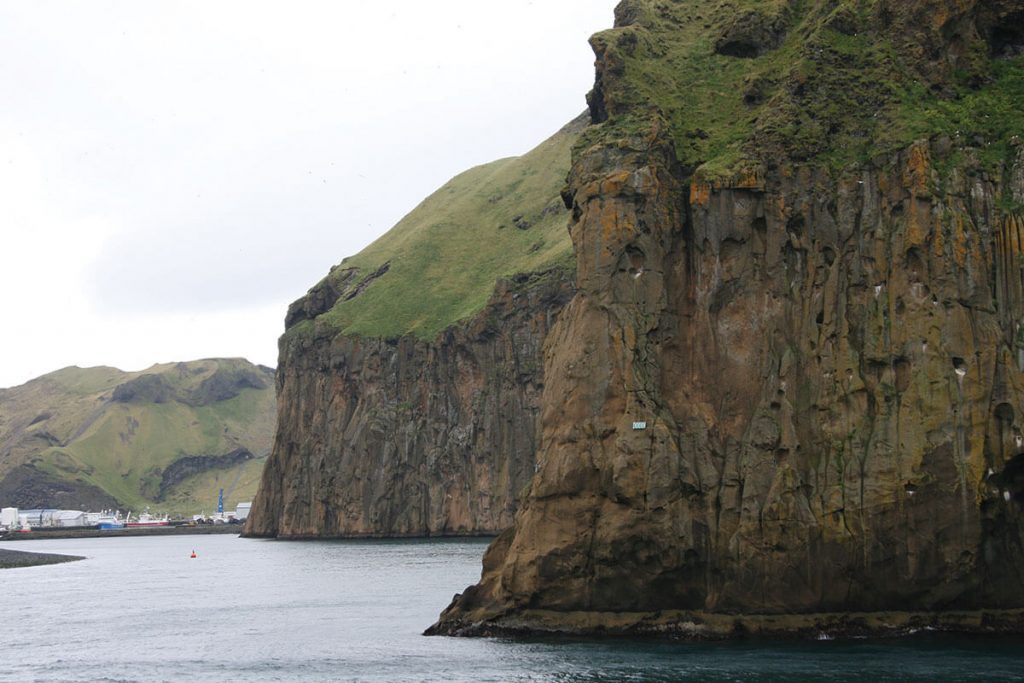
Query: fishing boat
{"points": [[146, 519], [109, 521], [105, 520]]}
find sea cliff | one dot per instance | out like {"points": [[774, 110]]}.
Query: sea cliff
{"points": [[406, 437], [787, 394], [410, 377]]}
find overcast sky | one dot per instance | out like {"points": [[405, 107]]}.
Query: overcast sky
{"points": [[174, 174]]}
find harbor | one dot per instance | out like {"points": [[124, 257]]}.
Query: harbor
{"points": [[18, 524], [92, 532]]}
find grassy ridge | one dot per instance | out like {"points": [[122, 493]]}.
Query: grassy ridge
{"points": [[70, 425], [492, 221]]}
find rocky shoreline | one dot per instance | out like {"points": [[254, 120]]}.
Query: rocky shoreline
{"points": [[691, 626], [10, 559]]}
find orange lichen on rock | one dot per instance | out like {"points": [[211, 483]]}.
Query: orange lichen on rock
{"points": [[959, 242], [700, 194], [615, 225], [611, 185], [938, 243], [748, 179], [919, 223], [918, 172]]}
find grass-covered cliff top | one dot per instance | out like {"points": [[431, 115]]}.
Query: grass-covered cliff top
{"points": [[837, 81], [115, 431], [439, 264]]}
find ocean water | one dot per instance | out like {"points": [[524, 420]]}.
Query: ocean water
{"points": [[140, 609]]}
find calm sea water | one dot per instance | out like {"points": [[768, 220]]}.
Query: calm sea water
{"points": [[140, 609]]}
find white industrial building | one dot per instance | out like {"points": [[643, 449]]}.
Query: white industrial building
{"points": [[49, 519], [8, 518]]}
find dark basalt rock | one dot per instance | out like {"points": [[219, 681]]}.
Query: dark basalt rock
{"points": [[228, 382], [190, 465], [752, 33], [28, 488], [144, 389]]}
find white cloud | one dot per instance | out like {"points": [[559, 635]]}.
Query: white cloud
{"points": [[192, 161]]}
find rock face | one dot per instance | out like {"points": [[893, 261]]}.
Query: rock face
{"points": [[404, 437], [797, 389]]}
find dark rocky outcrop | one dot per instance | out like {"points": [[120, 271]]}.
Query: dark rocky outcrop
{"points": [[755, 31], [144, 389], [191, 465], [227, 382], [393, 437], [27, 487], [322, 296]]}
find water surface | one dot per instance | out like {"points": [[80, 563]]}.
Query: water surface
{"points": [[140, 609]]}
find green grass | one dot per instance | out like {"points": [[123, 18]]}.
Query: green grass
{"points": [[199, 493], [823, 96], [446, 254], [82, 381], [985, 119], [122, 448]]}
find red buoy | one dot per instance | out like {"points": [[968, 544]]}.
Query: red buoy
{"points": [[193, 554]]}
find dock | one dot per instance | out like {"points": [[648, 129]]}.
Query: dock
{"points": [[181, 530]]}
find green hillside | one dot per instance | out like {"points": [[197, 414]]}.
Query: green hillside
{"points": [[743, 82], [167, 437], [439, 264]]}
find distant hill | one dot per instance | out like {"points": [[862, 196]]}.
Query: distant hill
{"points": [[167, 437]]}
